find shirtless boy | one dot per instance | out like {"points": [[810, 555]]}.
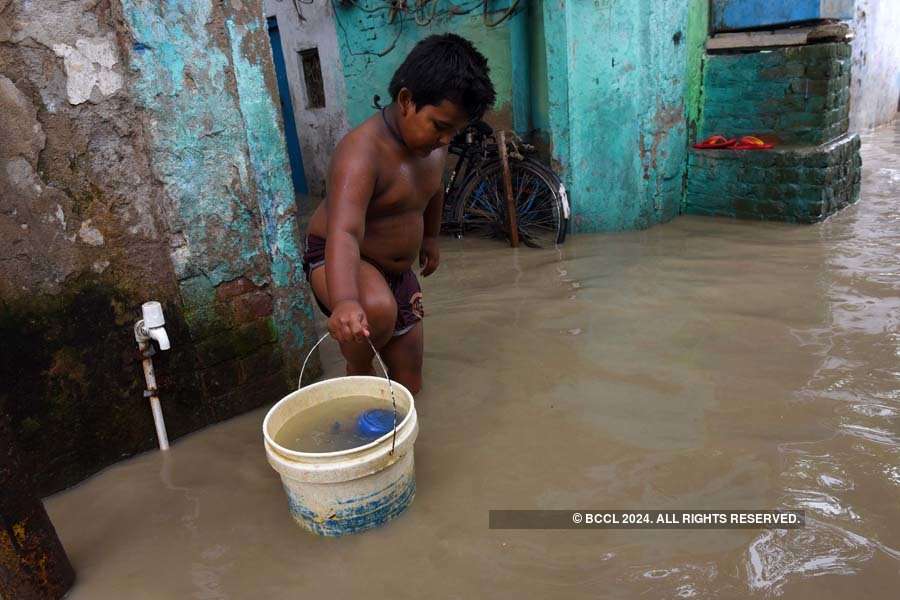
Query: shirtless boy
{"points": [[383, 207]]}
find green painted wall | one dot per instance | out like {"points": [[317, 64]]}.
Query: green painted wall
{"points": [[695, 38], [202, 73], [363, 35]]}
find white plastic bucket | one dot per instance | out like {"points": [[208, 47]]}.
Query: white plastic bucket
{"points": [[336, 493]]}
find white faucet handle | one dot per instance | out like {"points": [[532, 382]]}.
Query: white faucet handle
{"points": [[153, 314]]}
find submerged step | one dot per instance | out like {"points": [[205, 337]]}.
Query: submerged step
{"points": [[800, 184]]}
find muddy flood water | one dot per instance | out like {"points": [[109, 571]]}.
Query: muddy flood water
{"points": [[702, 364]]}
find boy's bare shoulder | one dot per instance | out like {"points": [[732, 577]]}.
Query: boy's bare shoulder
{"points": [[355, 161], [361, 142]]}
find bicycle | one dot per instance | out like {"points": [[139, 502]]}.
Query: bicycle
{"points": [[475, 197]]}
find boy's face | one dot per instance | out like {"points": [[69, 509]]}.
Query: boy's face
{"points": [[431, 127]]}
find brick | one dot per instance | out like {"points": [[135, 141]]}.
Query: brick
{"points": [[235, 287], [220, 379], [251, 336], [206, 320], [804, 185], [241, 399], [240, 341], [264, 361], [251, 307]]}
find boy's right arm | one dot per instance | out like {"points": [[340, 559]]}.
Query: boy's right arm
{"points": [[351, 184]]}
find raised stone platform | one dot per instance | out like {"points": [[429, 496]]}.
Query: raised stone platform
{"points": [[801, 184]]}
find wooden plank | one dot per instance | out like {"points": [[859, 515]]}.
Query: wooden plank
{"points": [[796, 36], [512, 221]]}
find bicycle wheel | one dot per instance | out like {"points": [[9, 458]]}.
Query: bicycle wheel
{"points": [[562, 194], [539, 198]]}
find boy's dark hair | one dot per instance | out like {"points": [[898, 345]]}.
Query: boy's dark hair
{"points": [[446, 67]]}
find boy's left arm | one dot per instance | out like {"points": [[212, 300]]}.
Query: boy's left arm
{"points": [[430, 254]]}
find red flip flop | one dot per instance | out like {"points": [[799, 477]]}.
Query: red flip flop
{"points": [[751, 142], [713, 142]]}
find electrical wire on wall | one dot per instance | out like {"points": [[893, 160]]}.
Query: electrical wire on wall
{"points": [[423, 14], [296, 4], [510, 11]]}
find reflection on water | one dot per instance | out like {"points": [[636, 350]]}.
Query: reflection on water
{"points": [[843, 479], [702, 364]]}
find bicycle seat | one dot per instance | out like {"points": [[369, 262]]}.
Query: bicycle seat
{"points": [[482, 128]]}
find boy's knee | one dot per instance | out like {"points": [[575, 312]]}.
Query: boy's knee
{"points": [[411, 381], [382, 316]]}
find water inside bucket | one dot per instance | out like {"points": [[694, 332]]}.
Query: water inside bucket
{"points": [[331, 426]]}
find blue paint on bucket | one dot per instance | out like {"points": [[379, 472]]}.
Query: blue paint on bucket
{"points": [[364, 513]]}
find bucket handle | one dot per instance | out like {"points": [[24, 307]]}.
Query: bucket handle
{"points": [[383, 368]]}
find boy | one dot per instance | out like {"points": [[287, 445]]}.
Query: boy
{"points": [[384, 204]]}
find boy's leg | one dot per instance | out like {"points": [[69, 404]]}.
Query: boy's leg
{"points": [[377, 301], [403, 357]]}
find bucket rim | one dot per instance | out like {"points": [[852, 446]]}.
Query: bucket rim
{"points": [[279, 449]]}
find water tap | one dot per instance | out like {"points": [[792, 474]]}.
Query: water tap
{"points": [[152, 326]]}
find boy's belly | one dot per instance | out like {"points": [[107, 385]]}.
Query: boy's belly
{"points": [[393, 242]]}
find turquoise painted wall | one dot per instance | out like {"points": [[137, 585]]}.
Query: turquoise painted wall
{"points": [[219, 150], [608, 87], [616, 85], [539, 91], [363, 35]]}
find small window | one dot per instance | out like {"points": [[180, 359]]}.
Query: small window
{"points": [[312, 75]]}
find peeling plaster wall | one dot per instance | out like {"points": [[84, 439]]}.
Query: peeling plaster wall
{"points": [[83, 241], [319, 129], [73, 197], [617, 82], [141, 157], [875, 86], [363, 35]]}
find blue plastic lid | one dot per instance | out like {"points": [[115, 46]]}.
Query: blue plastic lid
{"points": [[375, 423]]}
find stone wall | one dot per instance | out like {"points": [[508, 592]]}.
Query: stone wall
{"points": [[141, 158], [800, 185], [794, 95]]}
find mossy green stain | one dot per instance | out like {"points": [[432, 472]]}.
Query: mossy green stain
{"points": [[695, 39], [71, 375]]}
